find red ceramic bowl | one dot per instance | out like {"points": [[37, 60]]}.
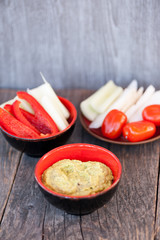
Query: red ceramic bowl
{"points": [[83, 152], [38, 147]]}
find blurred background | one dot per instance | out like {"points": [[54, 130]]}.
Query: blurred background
{"points": [[79, 43]]}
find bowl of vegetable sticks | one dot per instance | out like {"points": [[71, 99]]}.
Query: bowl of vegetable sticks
{"points": [[37, 120], [126, 116]]}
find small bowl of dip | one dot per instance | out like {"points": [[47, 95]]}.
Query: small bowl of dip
{"points": [[67, 177]]}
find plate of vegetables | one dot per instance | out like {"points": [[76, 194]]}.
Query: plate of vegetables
{"points": [[126, 116]]}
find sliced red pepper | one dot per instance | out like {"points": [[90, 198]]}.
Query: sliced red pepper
{"points": [[13, 126], [19, 115], [35, 122], [139, 131], [45, 122], [151, 113], [8, 108], [30, 117], [113, 124]]}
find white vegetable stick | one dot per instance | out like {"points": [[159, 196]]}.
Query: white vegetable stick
{"points": [[118, 104], [109, 100], [51, 93], [97, 123], [51, 106], [85, 106], [25, 105], [41, 91], [46, 89], [125, 97], [101, 95], [123, 100], [155, 99], [144, 98], [52, 111], [87, 111], [133, 84], [131, 111], [133, 99], [147, 94]]}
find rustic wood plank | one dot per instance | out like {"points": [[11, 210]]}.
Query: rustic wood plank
{"points": [[23, 218], [8, 166], [79, 43], [135, 201], [60, 225], [9, 161], [17, 189], [157, 212]]}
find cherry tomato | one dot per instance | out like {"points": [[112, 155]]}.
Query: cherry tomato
{"points": [[152, 114], [113, 124], [138, 131]]}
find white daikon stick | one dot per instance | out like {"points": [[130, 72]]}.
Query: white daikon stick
{"points": [[46, 89], [146, 96], [97, 123], [133, 84], [109, 100], [130, 113], [51, 93], [118, 104], [133, 99], [85, 105], [101, 96], [154, 99], [52, 110], [87, 111], [125, 97], [25, 105]]}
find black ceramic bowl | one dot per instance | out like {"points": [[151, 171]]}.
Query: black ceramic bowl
{"points": [[83, 152], [38, 147]]}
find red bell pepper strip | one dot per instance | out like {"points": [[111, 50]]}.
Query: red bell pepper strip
{"points": [[19, 115], [15, 127], [113, 124], [35, 122], [139, 131], [45, 121], [31, 118], [8, 108], [151, 113]]}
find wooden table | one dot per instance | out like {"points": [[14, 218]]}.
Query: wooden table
{"points": [[132, 213]]}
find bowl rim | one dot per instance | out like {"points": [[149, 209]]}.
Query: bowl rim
{"points": [[65, 196], [49, 137]]}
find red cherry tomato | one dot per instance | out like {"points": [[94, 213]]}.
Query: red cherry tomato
{"points": [[138, 131], [113, 124], [152, 114]]}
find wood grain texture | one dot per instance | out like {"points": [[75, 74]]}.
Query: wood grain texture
{"points": [[23, 218], [8, 163], [8, 168], [157, 216], [79, 44], [132, 213]]}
